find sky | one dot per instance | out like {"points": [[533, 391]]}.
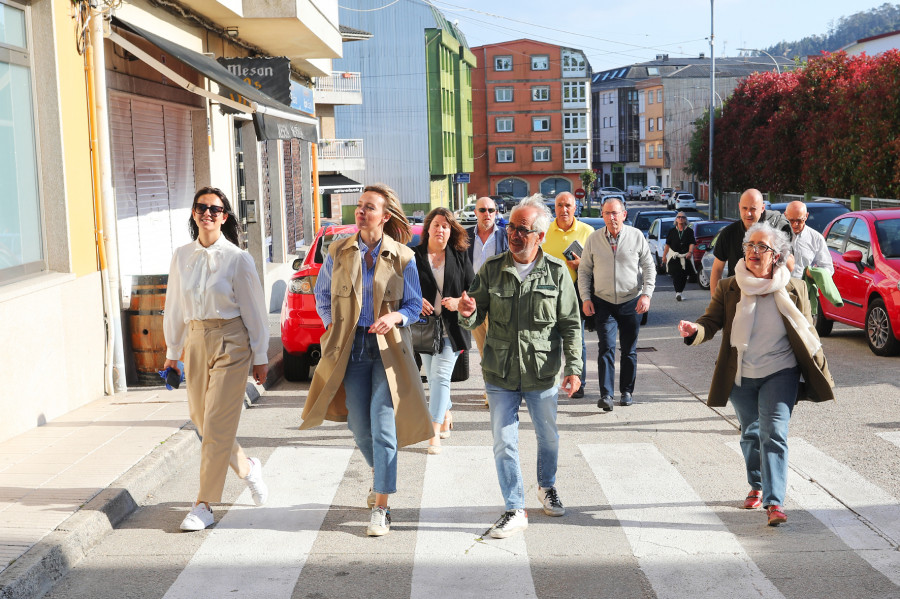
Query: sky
{"points": [[621, 32]]}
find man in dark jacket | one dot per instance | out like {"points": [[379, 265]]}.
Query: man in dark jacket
{"points": [[728, 248]]}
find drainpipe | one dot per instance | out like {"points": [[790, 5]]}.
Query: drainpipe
{"points": [[104, 206], [315, 187]]}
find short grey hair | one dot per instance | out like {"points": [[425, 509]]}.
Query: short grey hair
{"points": [[611, 199], [779, 239], [536, 201]]}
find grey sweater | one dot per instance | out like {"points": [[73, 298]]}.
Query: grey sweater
{"points": [[617, 277]]}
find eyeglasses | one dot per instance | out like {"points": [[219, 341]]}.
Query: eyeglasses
{"points": [[797, 221], [612, 214], [756, 248], [522, 231], [213, 210], [680, 218], [483, 210]]}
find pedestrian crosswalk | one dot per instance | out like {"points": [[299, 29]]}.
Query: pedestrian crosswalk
{"points": [[685, 543]]}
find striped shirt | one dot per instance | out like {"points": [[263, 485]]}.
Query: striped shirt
{"points": [[410, 307]]}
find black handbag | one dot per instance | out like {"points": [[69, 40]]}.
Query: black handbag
{"points": [[461, 368], [427, 334]]}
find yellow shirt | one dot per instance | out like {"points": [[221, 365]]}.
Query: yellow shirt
{"points": [[556, 240]]}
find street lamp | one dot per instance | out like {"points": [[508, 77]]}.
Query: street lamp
{"points": [[691, 104], [777, 66], [712, 103]]}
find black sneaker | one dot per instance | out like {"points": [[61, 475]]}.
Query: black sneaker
{"points": [[578, 394], [626, 399], [605, 402]]}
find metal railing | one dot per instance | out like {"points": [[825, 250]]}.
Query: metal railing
{"points": [[339, 81], [340, 148]]}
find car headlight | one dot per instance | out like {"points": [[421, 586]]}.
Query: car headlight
{"points": [[303, 285]]}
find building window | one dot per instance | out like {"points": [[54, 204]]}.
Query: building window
{"points": [[650, 123], [650, 151], [504, 124], [540, 123], [540, 93], [650, 97], [555, 185], [506, 155], [503, 63], [659, 96], [503, 94], [612, 121], [21, 232], [659, 123], [612, 147], [540, 62], [573, 63], [574, 91], [574, 122], [659, 151], [575, 155], [541, 154]]}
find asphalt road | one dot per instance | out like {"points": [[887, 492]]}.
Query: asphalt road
{"points": [[651, 493]]}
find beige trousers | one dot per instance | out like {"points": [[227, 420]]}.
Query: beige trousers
{"points": [[216, 363], [480, 332]]}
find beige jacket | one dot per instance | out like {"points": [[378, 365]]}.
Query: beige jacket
{"points": [[326, 399]]}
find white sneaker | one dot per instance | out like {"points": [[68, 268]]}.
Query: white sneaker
{"points": [[370, 499], [549, 498], [199, 518], [255, 482], [380, 522], [509, 524]]}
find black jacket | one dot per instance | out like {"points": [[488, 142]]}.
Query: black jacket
{"points": [[458, 276]]}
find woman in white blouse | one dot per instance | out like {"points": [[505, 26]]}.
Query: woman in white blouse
{"points": [[215, 313]]}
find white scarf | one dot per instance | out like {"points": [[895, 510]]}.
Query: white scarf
{"points": [[752, 287]]}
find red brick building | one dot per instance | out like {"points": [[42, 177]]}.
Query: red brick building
{"points": [[531, 113]]}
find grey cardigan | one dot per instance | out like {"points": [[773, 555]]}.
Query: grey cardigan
{"points": [[620, 277]]}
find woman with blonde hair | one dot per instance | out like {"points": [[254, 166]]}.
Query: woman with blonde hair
{"points": [[445, 271], [367, 293]]}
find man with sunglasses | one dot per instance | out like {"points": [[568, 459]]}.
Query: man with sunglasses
{"points": [[728, 248], [486, 239], [563, 232], [617, 275], [529, 297]]}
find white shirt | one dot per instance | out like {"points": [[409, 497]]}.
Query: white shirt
{"points": [[218, 282], [810, 250], [483, 251]]}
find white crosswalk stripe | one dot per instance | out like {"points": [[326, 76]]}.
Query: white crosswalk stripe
{"points": [[891, 437], [451, 559], [258, 552], [682, 546]]}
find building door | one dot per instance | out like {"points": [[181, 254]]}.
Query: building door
{"points": [[516, 188], [153, 176]]}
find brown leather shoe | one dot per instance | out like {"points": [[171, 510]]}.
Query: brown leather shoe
{"points": [[754, 500]]}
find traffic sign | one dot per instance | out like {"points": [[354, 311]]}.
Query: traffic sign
{"points": [[579, 193]]}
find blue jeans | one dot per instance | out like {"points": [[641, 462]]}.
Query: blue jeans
{"points": [[763, 407], [371, 411], [609, 319], [439, 367], [504, 406]]}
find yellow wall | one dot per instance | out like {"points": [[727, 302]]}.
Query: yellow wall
{"points": [[76, 143]]}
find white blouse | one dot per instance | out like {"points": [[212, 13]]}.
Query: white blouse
{"points": [[212, 283]]}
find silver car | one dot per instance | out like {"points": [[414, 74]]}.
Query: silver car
{"points": [[656, 237], [706, 264]]}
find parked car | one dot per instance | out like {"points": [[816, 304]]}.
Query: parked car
{"points": [[614, 196], [820, 213], [633, 192], [643, 218], [466, 216], [704, 232], [666, 192], [670, 200], [651, 192], [301, 327], [605, 190], [865, 248], [706, 263], [656, 237], [503, 202], [594, 221], [684, 201]]}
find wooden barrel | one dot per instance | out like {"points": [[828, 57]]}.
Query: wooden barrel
{"points": [[145, 323]]}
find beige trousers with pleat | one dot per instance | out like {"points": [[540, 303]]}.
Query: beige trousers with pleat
{"points": [[217, 363]]}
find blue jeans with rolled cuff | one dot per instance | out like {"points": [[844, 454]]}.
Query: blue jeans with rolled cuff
{"points": [[763, 407], [439, 368], [370, 411], [504, 406]]}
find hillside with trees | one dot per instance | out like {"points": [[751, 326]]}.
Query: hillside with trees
{"points": [[848, 29]]}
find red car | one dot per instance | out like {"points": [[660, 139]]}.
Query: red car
{"points": [[865, 247], [704, 231], [301, 327]]}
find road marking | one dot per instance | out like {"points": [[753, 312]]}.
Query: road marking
{"points": [[862, 515], [891, 437], [258, 552], [460, 500], [682, 546]]}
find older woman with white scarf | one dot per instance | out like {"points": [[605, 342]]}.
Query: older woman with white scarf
{"points": [[770, 358]]}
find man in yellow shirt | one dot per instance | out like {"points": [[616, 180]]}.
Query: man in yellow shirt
{"points": [[564, 230]]}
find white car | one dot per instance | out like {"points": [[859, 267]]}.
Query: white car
{"points": [[466, 216], [685, 200], [651, 193], [656, 237]]}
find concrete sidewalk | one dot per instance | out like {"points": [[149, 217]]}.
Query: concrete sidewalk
{"points": [[65, 485]]}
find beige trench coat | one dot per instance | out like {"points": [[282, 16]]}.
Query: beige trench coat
{"points": [[326, 399]]}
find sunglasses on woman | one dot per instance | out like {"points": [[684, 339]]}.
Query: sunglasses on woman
{"points": [[214, 211]]}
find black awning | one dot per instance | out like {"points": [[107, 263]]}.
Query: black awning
{"points": [[271, 118], [338, 184]]}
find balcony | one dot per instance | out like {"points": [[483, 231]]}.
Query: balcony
{"points": [[341, 155], [339, 88]]}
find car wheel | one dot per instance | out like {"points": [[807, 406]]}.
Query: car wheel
{"points": [[702, 279], [296, 366], [823, 325], [879, 333]]}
